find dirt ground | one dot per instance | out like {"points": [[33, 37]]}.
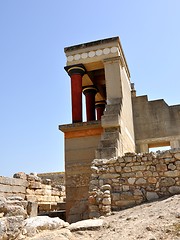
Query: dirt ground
{"points": [[158, 220]]}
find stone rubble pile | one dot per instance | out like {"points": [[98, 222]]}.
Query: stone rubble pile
{"points": [[126, 181]]}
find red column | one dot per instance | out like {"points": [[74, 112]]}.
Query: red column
{"points": [[90, 92], [76, 73], [100, 107]]}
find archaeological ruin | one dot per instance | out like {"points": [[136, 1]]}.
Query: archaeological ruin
{"points": [[107, 164]]}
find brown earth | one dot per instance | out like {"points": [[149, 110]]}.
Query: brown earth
{"points": [[158, 220]]}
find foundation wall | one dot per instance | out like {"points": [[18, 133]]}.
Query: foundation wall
{"points": [[80, 153], [132, 179]]}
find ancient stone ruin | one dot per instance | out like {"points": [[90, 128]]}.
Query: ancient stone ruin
{"points": [[104, 170], [108, 165]]}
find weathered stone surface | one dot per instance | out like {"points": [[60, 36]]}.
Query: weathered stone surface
{"points": [[161, 167], [174, 189], [118, 169], [151, 196], [32, 209], [44, 223], [141, 181], [131, 180], [175, 173], [91, 224], [110, 175], [177, 155], [10, 227], [171, 166], [152, 180], [13, 181], [167, 182], [147, 177], [138, 168], [12, 210], [106, 201]]}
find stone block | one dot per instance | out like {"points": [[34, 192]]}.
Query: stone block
{"points": [[167, 182], [32, 208], [106, 201], [161, 167], [174, 190], [118, 169], [177, 155], [31, 198], [171, 166], [5, 188], [131, 174], [125, 203], [138, 192], [152, 180], [126, 169], [128, 159], [106, 187], [13, 181], [109, 175], [18, 189], [131, 180], [151, 196], [139, 174], [138, 168], [125, 188], [147, 173], [35, 185], [141, 181], [175, 173]]}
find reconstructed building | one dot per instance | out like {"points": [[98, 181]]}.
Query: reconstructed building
{"points": [[117, 121]]}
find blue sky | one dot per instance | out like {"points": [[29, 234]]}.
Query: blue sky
{"points": [[35, 89]]}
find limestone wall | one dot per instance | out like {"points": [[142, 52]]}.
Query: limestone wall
{"points": [[13, 186], [31, 188], [133, 179]]}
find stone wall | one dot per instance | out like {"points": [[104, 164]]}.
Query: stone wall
{"points": [[132, 179], [32, 189], [155, 123], [13, 186]]}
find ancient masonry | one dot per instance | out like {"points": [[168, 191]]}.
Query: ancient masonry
{"points": [[101, 173], [38, 195]]}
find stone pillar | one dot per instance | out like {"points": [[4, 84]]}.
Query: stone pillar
{"points": [[76, 73], [113, 76], [90, 92], [100, 107]]}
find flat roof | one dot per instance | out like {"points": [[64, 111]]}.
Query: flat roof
{"points": [[93, 43]]}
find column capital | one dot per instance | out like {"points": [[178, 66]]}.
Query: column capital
{"points": [[101, 103], [90, 89], [75, 69]]}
